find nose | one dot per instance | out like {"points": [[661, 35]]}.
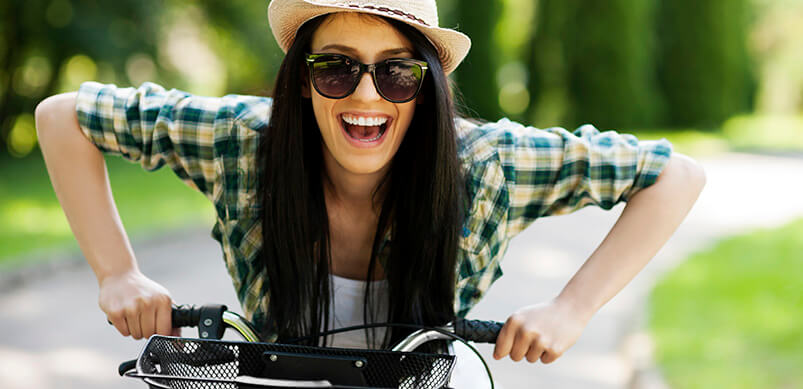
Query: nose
{"points": [[365, 89]]}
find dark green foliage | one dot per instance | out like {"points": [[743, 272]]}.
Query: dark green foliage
{"points": [[245, 43], [609, 56], [615, 63], [110, 32], [704, 69], [107, 31], [599, 55], [476, 76]]}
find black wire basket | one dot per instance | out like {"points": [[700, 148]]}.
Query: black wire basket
{"points": [[170, 362]]}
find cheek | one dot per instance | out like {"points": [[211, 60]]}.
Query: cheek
{"points": [[322, 110]]}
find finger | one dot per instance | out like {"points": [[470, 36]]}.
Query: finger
{"points": [[535, 352], [118, 321], [132, 318], [521, 345], [504, 342], [550, 356], [147, 320], [164, 323]]}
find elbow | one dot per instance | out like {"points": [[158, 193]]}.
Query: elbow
{"points": [[57, 110], [689, 172], [697, 177]]}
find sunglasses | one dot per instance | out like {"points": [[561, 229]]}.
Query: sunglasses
{"points": [[336, 76]]}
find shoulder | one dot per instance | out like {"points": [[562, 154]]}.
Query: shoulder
{"points": [[252, 112], [481, 142]]}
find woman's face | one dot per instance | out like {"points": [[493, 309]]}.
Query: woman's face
{"points": [[353, 148]]}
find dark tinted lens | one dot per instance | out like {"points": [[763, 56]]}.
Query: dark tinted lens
{"points": [[334, 76], [398, 80]]}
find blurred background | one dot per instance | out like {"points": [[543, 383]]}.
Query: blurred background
{"points": [[715, 77]]}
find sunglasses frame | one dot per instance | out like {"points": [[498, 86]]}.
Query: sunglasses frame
{"points": [[366, 68]]}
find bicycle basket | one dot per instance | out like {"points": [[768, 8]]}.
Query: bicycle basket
{"points": [[178, 363]]}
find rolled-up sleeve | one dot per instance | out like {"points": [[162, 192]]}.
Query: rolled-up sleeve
{"points": [[155, 127], [554, 171]]}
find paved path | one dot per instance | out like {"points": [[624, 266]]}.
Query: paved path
{"points": [[53, 335]]}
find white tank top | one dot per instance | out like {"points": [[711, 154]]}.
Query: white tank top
{"points": [[347, 310]]}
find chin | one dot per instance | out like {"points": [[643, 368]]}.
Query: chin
{"points": [[363, 164]]}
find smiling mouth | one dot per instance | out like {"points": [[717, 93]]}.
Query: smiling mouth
{"points": [[364, 133]]}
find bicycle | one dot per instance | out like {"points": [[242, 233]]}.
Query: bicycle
{"points": [[168, 362]]}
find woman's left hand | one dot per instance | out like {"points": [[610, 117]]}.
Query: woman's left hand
{"points": [[542, 331]]}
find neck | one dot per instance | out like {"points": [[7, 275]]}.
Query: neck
{"points": [[355, 191]]}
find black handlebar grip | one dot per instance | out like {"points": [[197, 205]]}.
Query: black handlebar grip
{"points": [[186, 316], [478, 330]]}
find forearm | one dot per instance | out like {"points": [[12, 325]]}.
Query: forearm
{"points": [[650, 218], [79, 177]]}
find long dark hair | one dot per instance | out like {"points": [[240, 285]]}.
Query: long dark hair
{"points": [[422, 205]]}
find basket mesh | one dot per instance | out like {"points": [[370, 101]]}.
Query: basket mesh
{"points": [[218, 359]]}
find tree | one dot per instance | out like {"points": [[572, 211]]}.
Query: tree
{"points": [[704, 68], [476, 76], [593, 61]]}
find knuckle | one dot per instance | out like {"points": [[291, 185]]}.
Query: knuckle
{"points": [[533, 330], [131, 311], [163, 300], [515, 319], [140, 301], [546, 342], [116, 315], [526, 335]]}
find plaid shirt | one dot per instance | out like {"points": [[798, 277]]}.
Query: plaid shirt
{"points": [[514, 174]]}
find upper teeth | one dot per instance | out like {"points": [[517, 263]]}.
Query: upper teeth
{"points": [[364, 121]]}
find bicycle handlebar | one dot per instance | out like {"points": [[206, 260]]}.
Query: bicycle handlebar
{"points": [[212, 319], [478, 331], [185, 316]]}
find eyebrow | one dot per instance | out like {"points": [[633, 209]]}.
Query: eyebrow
{"points": [[351, 50]]}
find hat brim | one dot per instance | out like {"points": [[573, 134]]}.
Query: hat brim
{"points": [[287, 16]]}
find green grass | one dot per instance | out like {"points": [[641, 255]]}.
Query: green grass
{"points": [[31, 219], [689, 141], [772, 133], [732, 316], [747, 133]]}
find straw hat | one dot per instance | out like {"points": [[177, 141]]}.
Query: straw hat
{"points": [[286, 16]]}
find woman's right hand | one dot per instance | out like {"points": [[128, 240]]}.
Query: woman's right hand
{"points": [[136, 305]]}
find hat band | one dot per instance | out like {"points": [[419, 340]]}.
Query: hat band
{"points": [[390, 11]]}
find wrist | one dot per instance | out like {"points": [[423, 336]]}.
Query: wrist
{"points": [[117, 273], [578, 306]]}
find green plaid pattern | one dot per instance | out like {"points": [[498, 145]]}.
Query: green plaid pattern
{"points": [[514, 174]]}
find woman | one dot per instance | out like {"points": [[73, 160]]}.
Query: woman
{"points": [[355, 194]]}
